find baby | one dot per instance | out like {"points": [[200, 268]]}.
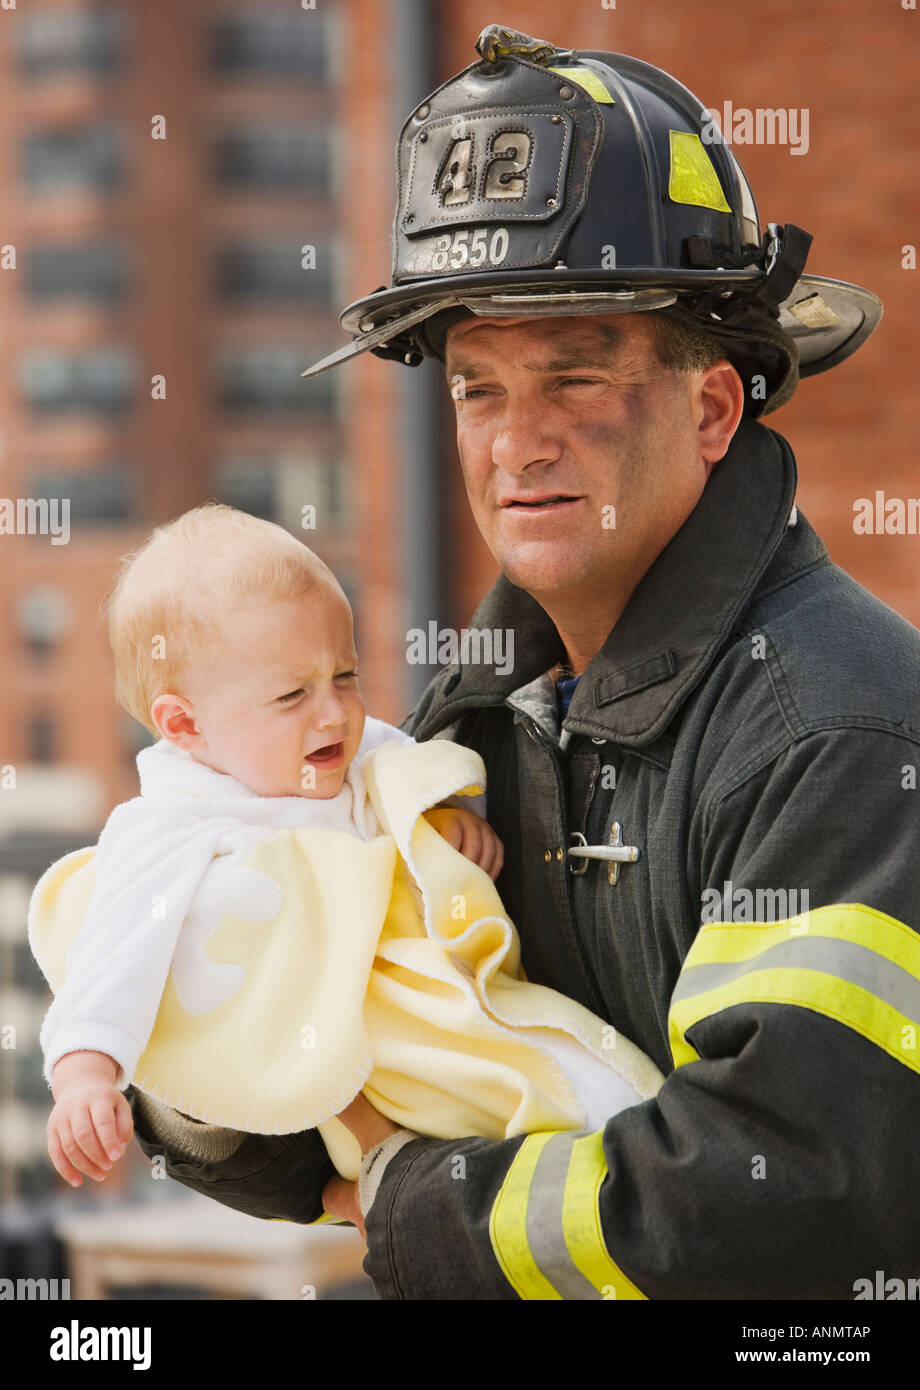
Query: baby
{"points": [[270, 734]]}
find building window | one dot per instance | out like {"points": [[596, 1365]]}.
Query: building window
{"points": [[248, 484], [277, 42], [43, 614], [26, 972], [41, 739], [74, 159], [98, 380], [274, 157], [268, 378], [31, 1086], [278, 487], [105, 495], [69, 41], [271, 270], [94, 270]]}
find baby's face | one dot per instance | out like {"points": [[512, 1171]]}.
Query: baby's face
{"points": [[279, 706]]}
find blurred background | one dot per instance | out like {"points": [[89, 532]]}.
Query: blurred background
{"points": [[190, 192]]}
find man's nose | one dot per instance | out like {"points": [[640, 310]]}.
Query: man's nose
{"points": [[524, 439]]}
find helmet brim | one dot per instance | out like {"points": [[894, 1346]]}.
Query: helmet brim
{"points": [[388, 314], [827, 319]]}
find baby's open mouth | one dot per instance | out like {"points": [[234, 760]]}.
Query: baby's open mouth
{"points": [[327, 754]]}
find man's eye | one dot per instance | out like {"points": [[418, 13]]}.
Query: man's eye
{"points": [[462, 390], [579, 381]]}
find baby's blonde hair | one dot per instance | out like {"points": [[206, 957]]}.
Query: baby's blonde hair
{"points": [[166, 604]]}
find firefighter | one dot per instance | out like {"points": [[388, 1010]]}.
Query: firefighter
{"points": [[700, 765]]}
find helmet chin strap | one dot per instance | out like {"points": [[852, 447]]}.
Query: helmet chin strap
{"points": [[785, 251]]}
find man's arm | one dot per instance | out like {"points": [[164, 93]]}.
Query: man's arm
{"points": [[276, 1177], [773, 1162]]}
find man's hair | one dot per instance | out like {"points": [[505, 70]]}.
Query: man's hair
{"points": [[165, 607], [680, 348]]}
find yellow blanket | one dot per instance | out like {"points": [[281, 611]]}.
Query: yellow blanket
{"points": [[390, 967]]}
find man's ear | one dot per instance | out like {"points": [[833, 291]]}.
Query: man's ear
{"points": [[719, 402]]}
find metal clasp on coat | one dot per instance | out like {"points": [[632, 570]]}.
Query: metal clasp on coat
{"points": [[615, 852]]}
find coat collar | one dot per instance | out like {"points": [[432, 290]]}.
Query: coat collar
{"points": [[680, 614]]}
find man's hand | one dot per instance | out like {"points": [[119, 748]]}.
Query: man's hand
{"points": [[370, 1128], [90, 1126], [471, 835]]}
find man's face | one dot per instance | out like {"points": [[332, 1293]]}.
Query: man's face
{"points": [[580, 452], [280, 708]]}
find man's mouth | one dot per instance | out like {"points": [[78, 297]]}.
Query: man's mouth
{"points": [[329, 753], [538, 504]]}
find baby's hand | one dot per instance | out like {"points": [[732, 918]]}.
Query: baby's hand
{"points": [[471, 835], [90, 1126]]}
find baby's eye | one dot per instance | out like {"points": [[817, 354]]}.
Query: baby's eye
{"points": [[347, 676], [287, 699]]}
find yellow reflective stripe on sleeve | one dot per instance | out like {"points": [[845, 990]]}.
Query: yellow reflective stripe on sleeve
{"points": [[545, 1225], [508, 1224], [582, 1221], [846, 961]]}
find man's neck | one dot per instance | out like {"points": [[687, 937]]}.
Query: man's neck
{"points": [[584, 631]]}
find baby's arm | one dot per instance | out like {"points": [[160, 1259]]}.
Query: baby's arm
{"points": [[90, 1126], [148, 869], [150, 862], [471, 835]]}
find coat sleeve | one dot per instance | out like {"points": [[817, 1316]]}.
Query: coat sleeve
{"points": [[278, 1177], [774, 1162]]}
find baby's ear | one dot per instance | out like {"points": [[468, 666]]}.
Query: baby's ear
{"points": [[175, 720]]}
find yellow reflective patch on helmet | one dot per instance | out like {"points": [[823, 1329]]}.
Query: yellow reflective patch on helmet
{"points": [[589, 80], [693, 179]]}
